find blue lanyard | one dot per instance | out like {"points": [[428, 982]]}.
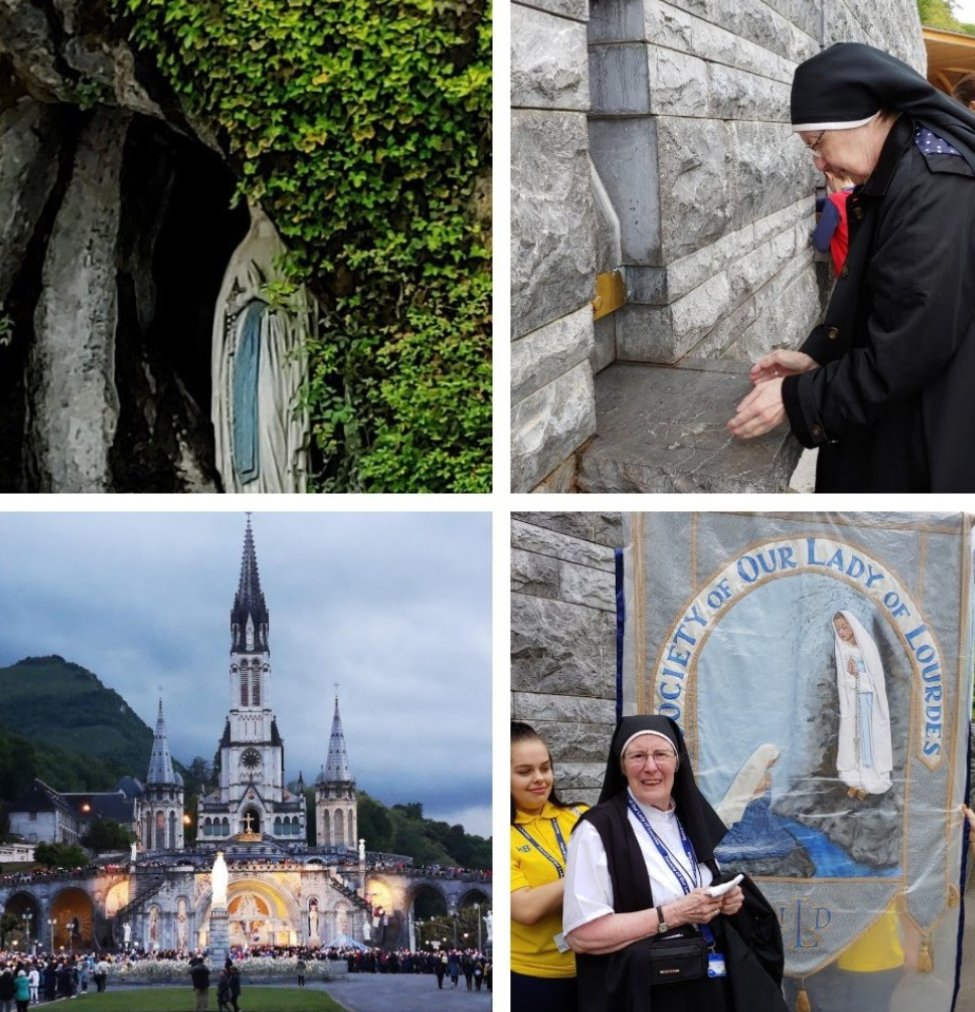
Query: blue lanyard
{"points": [[541, 850], [678, 871], [696, 877]]}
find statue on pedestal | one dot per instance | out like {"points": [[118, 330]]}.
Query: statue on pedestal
{"points": [[219, 879]]}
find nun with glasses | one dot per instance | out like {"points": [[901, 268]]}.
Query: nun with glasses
{"points": [[638, 908], [882, 386]]}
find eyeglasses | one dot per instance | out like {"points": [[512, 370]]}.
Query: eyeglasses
{"points": [[813, 148], [661, 758]]}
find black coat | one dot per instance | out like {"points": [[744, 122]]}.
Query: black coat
{"points": [[750, 940], [892, 406], [200, 976]]}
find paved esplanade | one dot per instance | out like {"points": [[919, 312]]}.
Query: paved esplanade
{"points": [[404, 992]]}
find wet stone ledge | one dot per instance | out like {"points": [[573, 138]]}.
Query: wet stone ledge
{"points": [[662, 429]]}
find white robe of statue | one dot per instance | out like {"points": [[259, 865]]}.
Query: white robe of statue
{"points": [[864, 759], [259, 364]]}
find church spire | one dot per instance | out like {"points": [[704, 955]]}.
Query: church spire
{"points": [[249, 616], [337, 763], [160, 762]]}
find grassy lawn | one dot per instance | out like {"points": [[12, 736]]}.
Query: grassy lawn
{"points": [[181, 999]]}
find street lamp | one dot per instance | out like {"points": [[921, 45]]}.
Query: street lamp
{"points": [[52, 924], [477, 907], [27, 917]]}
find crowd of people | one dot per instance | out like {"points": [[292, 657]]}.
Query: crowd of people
{"points": [[48, 875], [434, 871], [45, 977], [471, 964]]}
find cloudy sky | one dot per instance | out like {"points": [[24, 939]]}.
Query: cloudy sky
{"points": [[395, 607], [964, 10]]}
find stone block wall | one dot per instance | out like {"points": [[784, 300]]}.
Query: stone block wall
{"points": [[676, 134], [553, 238], [563, 639]]}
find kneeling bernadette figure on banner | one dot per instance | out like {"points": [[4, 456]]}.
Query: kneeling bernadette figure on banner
{"points": [[639, 867], [259, 366]]}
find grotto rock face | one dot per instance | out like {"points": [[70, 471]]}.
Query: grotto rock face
{"points": [[65, 51], [71, 381], [29, 146], [115, 229]]}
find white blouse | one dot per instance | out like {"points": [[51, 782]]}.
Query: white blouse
{"points": [[588, 889]]}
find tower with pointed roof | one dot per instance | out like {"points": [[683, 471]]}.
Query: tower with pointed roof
{"points": [[251, 799], [336, 820], [161, 807]]}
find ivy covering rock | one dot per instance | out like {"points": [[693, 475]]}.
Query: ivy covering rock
{"points": [[362, 129]]}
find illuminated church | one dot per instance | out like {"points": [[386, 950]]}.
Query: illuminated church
{"points": [[252, 817], [250, 802], [281, 891]]}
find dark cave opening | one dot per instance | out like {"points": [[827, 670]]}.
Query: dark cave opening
{"points": [[177, 234]]}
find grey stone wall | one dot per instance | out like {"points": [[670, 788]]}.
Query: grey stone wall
{"points": [[563, 639], [676, 136], [553, 255]]}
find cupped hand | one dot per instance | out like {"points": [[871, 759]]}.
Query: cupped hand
{"points": [[779, 364], [697, 907], [732, 901], [760, 412]]}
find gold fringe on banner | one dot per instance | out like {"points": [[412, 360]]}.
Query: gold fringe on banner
{"points": [[954, 897], [925, 962], [802, 1001]]}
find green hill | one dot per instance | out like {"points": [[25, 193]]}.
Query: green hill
{"points": [[62, 721], [403, 829], [58, 722]]}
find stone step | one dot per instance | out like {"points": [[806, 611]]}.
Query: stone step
{"points": [[662, 429]]}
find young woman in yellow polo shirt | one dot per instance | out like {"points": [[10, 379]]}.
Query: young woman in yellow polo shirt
{"points": [[543, 970]]}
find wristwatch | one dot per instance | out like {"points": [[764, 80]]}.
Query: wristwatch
{"points": [[661, 923]]}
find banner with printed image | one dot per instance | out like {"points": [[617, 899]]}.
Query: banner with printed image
{"points": [[821, 668]]}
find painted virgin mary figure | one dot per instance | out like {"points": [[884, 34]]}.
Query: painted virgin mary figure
{"points": [[864, 757], [259, 365]]}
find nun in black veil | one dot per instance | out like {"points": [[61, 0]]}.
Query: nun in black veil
{"points": [[648, 935], [882, 385]]}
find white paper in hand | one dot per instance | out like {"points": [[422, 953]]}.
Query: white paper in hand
{"points": [[725, 887]]}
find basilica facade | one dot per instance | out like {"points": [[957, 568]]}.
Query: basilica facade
{"points": [[282, 890]]}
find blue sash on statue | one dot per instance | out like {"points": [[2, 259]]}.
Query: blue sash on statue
{"points": [[246, 369]]}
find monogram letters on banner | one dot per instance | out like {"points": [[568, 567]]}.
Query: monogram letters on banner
{"points": [[820, 666]]}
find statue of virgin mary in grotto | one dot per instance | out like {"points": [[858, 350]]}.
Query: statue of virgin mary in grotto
{"points": [[261, 432]]}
